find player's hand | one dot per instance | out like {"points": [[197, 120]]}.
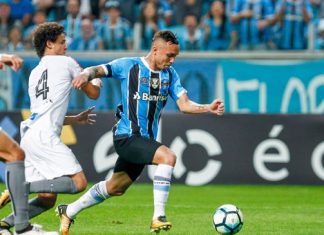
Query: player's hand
{"points": [[86, 117], [80, 80], [14, 61], [217, 107]]}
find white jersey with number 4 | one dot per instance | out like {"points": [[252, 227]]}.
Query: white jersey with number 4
{"points": [[50, 84], [49, 92]]}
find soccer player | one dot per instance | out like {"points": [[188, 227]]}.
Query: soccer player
{"points": [[50, 166], [146, 84], [13, 156]]}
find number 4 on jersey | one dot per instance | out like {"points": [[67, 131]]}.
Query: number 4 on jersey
{"points": [[42, 88]]}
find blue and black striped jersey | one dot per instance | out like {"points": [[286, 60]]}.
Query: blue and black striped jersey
{"points": [[144, 94]]}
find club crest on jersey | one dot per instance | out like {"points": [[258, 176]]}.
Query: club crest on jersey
{"points": [[155, 83]]}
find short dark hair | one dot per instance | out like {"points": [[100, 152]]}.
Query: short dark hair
{"points": [[167, 36], [46, 32]]}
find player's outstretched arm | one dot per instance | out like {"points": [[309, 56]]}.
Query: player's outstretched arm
{"points": [[92, 88], [188, 106], [85, 117], [87, 75], [12, 60]]}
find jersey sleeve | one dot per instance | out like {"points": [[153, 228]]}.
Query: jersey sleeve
{"points": [[175, 89], [116, 68], [73, 67]]}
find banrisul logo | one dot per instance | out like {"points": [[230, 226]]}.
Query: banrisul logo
{"points": [[147, 97]]}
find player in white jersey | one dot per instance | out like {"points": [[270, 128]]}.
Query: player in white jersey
{"points": [[13, 156], [50, 166]]}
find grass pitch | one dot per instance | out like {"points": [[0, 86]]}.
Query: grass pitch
{"points": [[267, 210]]}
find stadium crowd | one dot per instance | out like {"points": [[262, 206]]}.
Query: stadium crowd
{"points": [[200, 25]]}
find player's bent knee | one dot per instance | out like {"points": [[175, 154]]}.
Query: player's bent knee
{"points": [[170, 159]]}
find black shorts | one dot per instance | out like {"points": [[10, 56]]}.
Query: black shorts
{"points": [[134, 153]]}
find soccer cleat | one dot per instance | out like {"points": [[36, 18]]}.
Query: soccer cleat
{"points": [[64, 219], [37, 230], [4, 228], [4, 198], [160, 224]]}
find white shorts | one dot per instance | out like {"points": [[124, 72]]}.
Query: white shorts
{"points": [[46, 157]]}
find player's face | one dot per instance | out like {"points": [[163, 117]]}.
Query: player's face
{"points": [[165, 54], [59, 46]]}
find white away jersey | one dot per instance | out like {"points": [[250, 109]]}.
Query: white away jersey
{"points": [[49, 90]]}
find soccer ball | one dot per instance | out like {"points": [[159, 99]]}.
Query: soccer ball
{"points": [[228, 219]]}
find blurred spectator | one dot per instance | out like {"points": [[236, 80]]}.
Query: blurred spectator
{"points": [[55, 9], [90, 9], [164, 11], [38, 18], [22, 10], [218, 31], [321, 9], [127, 10], [88, 41], [273, 3], [72, 23], [6, 23], [315, 5], [192, 38], [319, 44], [150, 24], [185, 7], [229, 7], [253, 17], [116, 31], [15, 40], [293, 17]]}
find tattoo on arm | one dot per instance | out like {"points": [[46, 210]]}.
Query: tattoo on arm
{"points": [[95, 72], [99, 71]]}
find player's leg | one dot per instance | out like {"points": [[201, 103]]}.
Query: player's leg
{"points": [[115, 186], [65, 184], [14, 156], [142, 150], [125, 173], [49, 157], [165, 160], [37, 205]]}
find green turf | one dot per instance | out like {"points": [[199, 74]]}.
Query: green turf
{"points": [[295, 210]]}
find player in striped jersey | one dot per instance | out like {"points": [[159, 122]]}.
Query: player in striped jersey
{"points": [[146, 83]]}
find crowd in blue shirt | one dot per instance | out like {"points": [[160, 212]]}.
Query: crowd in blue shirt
{"points": [[201, 25]]}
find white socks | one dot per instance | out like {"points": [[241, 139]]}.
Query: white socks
{"points": [[95, 195], [161, 188]]}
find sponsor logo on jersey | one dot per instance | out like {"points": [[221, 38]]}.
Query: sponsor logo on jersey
{"points": [[148, 97]]}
